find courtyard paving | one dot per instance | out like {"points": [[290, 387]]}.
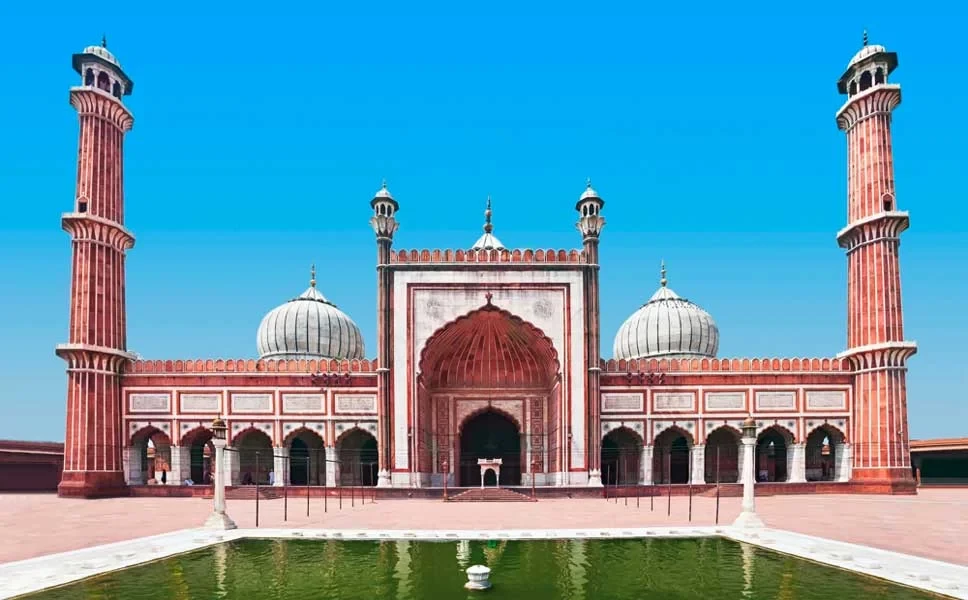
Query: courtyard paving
{"points": [[933, 524]]}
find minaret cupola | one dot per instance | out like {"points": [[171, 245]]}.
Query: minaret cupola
{"points": [[100, 69]]}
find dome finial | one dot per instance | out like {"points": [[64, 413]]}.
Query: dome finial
{"points": [[588, 183], [384, 183], [104, 40], [865, 37], [312, 276], [488, 228], [663, 281]]}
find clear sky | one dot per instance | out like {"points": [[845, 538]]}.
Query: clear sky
{"points": [[260, 139]]}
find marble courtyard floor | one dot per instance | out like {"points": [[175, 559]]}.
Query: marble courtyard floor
{"points": [[933, 524]]}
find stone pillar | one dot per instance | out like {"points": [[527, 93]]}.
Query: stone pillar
{"points": [[384, 226], [332, 467], [230, 467], [133, 467], [280, 465], [844, 461], [741, 462], [645, 468], [697, 458], [747, 517], [797, 463], [181, 465], [590, 224]]}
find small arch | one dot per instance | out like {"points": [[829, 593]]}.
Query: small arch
{"points": [[879, 76], [357, 451], [152, 448], [116, 90], [201, 453], [853, 88], [255, 462], [307, 457], [824, 444], [621, 456], [89, 77], [888, 202], [722, 454], [773, 453], [104, 82], [670, 455], [865, 80]]}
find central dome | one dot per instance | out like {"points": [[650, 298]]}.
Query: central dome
{"points": [[667, 326], [309, 326]]}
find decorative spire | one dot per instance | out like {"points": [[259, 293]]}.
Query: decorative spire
{"points": [[865, 37], [104, 40], [663, 281], [488, 228], [312, 276], [384, 183], [588, 183]]}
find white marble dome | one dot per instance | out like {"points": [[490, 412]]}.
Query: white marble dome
{"points": [[667, 326], [865, 52], [102, 52], [309, 326]]}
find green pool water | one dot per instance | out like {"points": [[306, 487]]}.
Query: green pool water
{"points": [[670, 569]]}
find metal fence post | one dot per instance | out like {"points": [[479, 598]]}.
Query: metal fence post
{"points": [[256, 488], [717, 483], [285, 491]]}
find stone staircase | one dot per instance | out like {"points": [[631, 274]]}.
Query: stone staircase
{"points": [[247, 492], [490, 494]]}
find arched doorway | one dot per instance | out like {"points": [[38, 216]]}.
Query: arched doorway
{"points": [[357, 458], [150, 457], [201, 455], [307, 458], [771, 454], [670, 456], [489, 434], [824, 445], [255, 457], [722, 449], [621, 457], [483, 359]]}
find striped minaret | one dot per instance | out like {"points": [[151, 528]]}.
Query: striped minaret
{"points": [[96, 349], [875, 333], [590, 224]]}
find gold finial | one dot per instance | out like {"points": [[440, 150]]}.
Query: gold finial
{"points": [[865, 37], [663, 281], [488, 228], [104, 40], [312, 276]]}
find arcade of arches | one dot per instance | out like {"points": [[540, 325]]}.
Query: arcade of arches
{"points": [[489, 387], [673, 457], [250, 458]]}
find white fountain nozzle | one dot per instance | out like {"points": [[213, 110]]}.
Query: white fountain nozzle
{"points": [[478, 578]]}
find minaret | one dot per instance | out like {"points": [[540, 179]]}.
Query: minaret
{"points": [[875, 334], [96, 348], [590, 224], [384, 224]]}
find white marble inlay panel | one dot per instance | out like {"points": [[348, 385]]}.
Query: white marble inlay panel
{"points": [[545, 308], [674, 401], [826, 399], [725, 401], [623, 402], [303, 403], [149, 403], [355, 403], [252, 403], [200, 403], [776, 400]]}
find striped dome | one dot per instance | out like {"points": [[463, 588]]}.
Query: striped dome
{"points": [[667, 326], [309, 326]]}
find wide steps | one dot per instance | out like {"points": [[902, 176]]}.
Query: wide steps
{"points": [[247, 492], [490, 494]]}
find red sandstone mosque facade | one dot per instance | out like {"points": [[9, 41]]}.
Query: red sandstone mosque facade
{"points": [[485, 352]]}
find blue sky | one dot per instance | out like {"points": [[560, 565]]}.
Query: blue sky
{"points": [[259, 140]]}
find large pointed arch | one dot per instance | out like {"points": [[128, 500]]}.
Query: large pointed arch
{"points": [[489, 347]]}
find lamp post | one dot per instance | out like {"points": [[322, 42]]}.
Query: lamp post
{"points": [[747, 517], [218, 519]]}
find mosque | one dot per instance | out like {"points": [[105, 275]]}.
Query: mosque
{"points": [[486, 352]]}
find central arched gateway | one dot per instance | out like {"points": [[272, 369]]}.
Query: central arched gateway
{"points": [[489, 434], [489, 386]]}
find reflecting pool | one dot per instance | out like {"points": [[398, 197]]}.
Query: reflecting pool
{"points": [[670, 569]]}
